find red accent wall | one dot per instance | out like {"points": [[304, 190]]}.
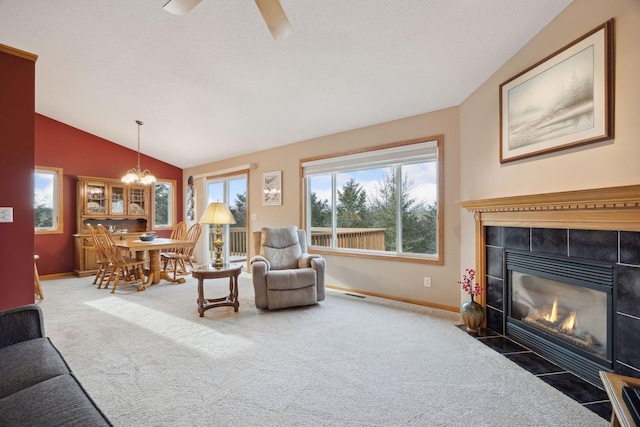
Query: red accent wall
{"points": [[81, 153], [17, 103]]}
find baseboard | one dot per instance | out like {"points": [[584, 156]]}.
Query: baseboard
{"points": [[394, 298], [56, 276]]}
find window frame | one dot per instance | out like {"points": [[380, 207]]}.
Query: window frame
{"points": [[433, 259], [172, 208], [58, 174]]}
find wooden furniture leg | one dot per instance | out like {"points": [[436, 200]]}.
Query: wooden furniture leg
{"points": [[36, 279]]}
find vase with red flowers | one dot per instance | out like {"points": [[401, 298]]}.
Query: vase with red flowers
{"points": [[472, 313]]}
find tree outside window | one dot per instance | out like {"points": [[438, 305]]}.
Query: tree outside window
{"points": [[164, 207], [390, 209], [47, 200]]}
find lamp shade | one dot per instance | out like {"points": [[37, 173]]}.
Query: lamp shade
{"points": [[217, 213]]}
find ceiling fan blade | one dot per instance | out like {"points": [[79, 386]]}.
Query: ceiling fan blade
{"points": [[180, 7], [275, 18]]}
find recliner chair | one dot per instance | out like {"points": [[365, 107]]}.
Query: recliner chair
{"points": [[284, 274]]}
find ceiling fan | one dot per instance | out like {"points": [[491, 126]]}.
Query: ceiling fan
{"points": [[271, 11]]}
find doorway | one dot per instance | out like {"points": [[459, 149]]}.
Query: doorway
{"points": [[231, 190]]}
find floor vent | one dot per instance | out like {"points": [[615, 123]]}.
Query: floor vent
{"points": [[354, 295]]}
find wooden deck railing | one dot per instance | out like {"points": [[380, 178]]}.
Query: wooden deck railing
{"points": [[237, 242], [352, 238]]}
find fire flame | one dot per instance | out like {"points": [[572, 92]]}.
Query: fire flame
{"points": [[553, 317], [570, 323]]}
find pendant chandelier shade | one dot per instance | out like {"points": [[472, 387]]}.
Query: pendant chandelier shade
{"points": [[137, 175]]}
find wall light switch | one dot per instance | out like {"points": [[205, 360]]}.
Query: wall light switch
{"points": [[6, 214], [254, 217]]}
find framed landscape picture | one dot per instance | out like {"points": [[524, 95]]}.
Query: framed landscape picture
{"points": [[272, 188], [563, 101]]}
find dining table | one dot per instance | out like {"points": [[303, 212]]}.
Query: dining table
{"points": [[153, 248]]}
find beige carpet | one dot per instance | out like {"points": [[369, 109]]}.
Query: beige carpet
{"points": [[147, 359]]}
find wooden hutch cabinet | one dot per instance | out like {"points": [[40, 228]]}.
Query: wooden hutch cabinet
{"points": [[123, 209]]}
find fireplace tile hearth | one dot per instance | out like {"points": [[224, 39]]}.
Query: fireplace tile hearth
{"points": [[583, 392], [502, 344], [533, 363], [575, 387], [603, 409]]}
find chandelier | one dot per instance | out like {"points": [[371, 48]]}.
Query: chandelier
{"points": [[137, 175]]}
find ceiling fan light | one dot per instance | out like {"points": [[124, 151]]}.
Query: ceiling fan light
{"points": [[180, 7]]}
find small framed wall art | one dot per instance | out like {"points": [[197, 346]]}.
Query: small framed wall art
{"points": [[272, 188], [190, 202]]}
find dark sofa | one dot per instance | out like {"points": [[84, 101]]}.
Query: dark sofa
{"points": [[37, 387]]}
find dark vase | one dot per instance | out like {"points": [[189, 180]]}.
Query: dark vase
{"points": [[472, 315]]}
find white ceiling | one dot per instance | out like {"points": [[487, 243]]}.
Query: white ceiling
{"points": [[214, 84]]}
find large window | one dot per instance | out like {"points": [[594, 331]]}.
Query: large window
{"points": [[47, 200], [164, 205], [382, 202]]}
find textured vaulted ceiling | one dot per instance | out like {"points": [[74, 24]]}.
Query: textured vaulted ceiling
{"points": [[214, 84]]}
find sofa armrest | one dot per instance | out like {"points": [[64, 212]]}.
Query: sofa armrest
{"points": [[259, 258], [21, 324], [259, 269], [319, 265], [305, 260]]}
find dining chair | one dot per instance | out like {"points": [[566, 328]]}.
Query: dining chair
{"points": [[36, 279], [125, 271], [180, 256], [104, 266], [178, 233]]}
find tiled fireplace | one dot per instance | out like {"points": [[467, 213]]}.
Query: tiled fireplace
{"points": [[560, 306], [562, 275]]}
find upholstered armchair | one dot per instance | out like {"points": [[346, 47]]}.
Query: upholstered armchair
{"points": [[284, 274]]}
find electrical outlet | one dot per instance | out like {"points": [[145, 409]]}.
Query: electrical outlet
{"points": [[6, 214], [427, 282]]}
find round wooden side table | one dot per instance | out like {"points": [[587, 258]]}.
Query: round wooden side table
{"points": [[202, 272]]}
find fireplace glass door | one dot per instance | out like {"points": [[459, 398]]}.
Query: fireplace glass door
{"points": [[575, 315]]}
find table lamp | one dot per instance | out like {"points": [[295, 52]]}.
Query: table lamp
{"points": [[217, 214]]}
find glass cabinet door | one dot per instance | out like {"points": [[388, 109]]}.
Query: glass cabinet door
{"points": [[117, 200], [96, 198], [137, 205]]}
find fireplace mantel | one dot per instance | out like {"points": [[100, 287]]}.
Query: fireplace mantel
{"points": [[613, 208]]}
